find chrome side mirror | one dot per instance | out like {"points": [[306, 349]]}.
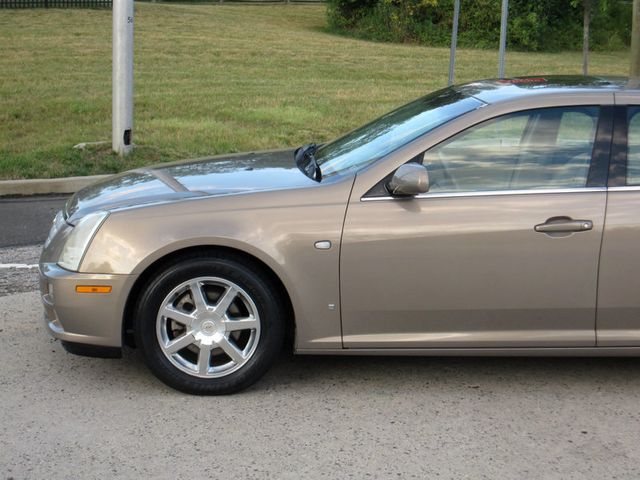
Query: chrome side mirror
{"points": [[409, 180]]}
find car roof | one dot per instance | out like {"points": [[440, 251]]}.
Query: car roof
{"points": [[508, 89]]}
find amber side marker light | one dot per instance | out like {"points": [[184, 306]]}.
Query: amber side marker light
{"points": [[93, 289]]}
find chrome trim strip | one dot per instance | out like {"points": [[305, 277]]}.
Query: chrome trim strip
{"points": [[607, 351], [490, 193], [630, 188]]}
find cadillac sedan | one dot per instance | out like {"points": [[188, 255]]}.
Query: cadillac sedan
{"points": [[498, 217]]}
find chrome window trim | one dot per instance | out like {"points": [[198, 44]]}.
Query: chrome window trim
{"points": [[490, 193], [630, 188]]}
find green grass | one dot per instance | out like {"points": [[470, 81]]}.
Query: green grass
{"points": [[211, 79]]}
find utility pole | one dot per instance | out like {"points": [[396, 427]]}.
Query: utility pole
{"points": [[635, 42], [122, 107], [503, 37], [454, 41]]}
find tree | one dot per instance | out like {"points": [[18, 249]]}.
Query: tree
{"points": [[587, 6], [603, 7]]}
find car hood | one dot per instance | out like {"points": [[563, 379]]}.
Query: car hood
{"points": [[221, 175]]}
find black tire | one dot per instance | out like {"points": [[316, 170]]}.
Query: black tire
{"points": [[246, 275]]}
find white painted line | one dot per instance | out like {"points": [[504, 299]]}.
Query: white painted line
{"points": [[18, 265]]}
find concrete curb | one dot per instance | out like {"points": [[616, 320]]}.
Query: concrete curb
{"points": [[46, 186]]}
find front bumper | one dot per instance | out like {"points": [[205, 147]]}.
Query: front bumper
{"points": [[90, 319]]}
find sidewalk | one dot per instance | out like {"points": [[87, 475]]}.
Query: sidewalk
{"points": [[46, 186]]}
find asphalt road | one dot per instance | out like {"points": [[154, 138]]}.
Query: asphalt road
{"points": [[26, 220], [64, 416]]}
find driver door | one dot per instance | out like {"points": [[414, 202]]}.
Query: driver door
{"points": [[464, 265]]}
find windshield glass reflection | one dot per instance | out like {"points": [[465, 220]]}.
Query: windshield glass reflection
{"points": [[393, 130]]}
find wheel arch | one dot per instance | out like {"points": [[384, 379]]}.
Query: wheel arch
{"points": [[210, 251]]}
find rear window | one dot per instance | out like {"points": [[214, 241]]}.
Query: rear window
{"points": [[633, 152]]}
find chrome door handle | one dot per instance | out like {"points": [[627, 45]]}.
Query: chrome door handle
{"points": [[563, 224]]}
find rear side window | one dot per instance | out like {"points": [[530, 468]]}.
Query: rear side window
{"points": [[533, 149], [633, 152], [577, 129]]}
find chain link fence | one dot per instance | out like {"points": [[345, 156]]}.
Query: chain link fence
{"points": [[108, 3], [55, 3]]}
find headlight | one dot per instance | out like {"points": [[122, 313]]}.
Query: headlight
{"points": [[79, 239], [58, 222]]}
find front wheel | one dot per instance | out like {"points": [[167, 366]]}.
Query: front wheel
{"points": [[209, 325]]}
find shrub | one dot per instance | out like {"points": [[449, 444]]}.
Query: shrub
{"points": [[543, 25]]}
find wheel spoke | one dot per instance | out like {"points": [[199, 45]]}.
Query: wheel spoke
{"points": [[248, 323], [174, 314], [199, 301], [203, 360], [179, 343], [230, 349], [226, 300]]}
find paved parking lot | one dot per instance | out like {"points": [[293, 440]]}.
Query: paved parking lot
{"points": [[310, 417]]}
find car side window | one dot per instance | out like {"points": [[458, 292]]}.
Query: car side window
{"points": [[533, 149], [633, 142]]}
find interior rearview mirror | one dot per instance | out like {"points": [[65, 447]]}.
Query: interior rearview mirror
{"points": [[408, 180]]}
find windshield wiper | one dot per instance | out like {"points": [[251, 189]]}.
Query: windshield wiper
{"points": [[306, 161]]}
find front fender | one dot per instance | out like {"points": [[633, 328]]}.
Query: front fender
{"points": [[281, 233]]}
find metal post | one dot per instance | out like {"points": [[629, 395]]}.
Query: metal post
{"points": [[635, 43], [454, 41], [122, 113], [503, 37], [586, 21]]}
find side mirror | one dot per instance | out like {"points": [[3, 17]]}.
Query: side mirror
{"points": [[409, 180]]}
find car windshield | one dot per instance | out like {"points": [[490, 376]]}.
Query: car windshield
{"points": [[371, 142]]}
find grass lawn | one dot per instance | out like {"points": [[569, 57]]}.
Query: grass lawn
{"points": [[211, 79]]}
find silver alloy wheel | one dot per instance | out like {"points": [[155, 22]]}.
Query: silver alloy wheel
{"points": [[208, 327]]}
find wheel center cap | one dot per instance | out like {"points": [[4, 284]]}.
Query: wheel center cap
{"points": [[208, 327]]}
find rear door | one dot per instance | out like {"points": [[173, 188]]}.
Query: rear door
{"points": [[502, 251], [618, 319]]}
